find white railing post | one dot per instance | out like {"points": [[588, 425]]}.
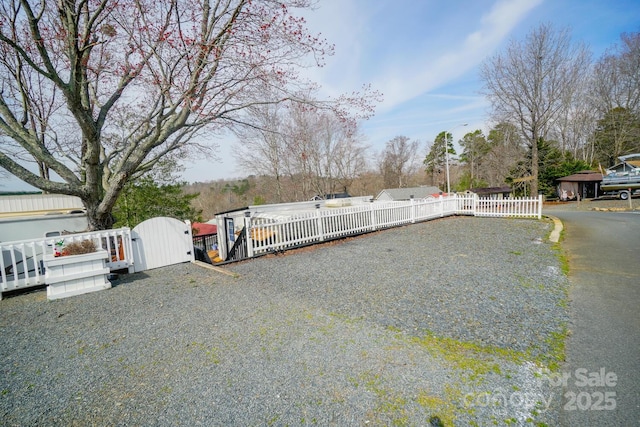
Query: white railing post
{"points": [[441, 205], [412, 206], [540, 206], [373, 215], [319, 223], [128, 249], [20, 263], [189, 232], [247, 231]]}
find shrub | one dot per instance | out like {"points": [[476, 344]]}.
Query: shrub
{"points": [[78, 248]]}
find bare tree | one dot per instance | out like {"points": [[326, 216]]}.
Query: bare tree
{"points": [[300, 146], [616, 77], [615, 97], [398, 161], [350, 159], [617, 133], [506, 149], [574, 128], [575, 122], [532, 81], [314, 150], [173, 68], [335, 153], [261, 148]]}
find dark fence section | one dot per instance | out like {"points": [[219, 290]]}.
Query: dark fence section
{"points": [[205, 242], [239, 249]]}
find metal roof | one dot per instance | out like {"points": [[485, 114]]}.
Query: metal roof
{"points": [[407, 193], [491, 190], [629, 156], [203, 228], [584, 176]]}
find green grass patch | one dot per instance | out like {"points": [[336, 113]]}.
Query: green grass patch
{"points": [[562, 258], [389, 403], [476, 359], [437, 407], [557, 350]]}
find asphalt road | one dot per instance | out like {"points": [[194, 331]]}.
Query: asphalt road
{"points": [[601, 377]]}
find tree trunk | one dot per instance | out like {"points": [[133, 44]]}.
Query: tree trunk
{"points": [[534, 166], [97, 218]]}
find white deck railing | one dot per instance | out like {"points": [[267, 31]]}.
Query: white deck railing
{"points": [[21, 264], [267, 234]]}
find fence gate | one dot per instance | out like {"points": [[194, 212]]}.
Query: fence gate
{"points": [[162, 241]]}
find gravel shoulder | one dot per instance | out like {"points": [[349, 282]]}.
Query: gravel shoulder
{"points": [[602, 204], [457, 319]]}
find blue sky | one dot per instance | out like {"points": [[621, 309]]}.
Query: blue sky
{"points": [[424, 56]]}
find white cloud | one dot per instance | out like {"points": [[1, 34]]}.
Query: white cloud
{"points": [[407, 50], [423, 72]]}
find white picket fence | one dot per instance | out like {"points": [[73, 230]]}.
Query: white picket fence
{"points": [[22, 262], [266, 233], [514, 208]]}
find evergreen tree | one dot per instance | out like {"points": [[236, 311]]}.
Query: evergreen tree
{"points": [[436, 159], [475, 148], [552, 164], [145, 198]]}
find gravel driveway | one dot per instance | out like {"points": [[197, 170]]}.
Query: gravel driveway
{"points": [[452, 321]]}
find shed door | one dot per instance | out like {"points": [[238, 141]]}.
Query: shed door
{"points": [[162, 241]]}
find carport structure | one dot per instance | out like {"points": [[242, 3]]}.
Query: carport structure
{"points": [[584, 184]]}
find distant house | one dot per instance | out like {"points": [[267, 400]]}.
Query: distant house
{"points": [[343, 195], [586, 184], [203, 228], [493, 192], [390, 194]]}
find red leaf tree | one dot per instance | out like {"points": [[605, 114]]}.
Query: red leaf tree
{"points": [[100, 92]]}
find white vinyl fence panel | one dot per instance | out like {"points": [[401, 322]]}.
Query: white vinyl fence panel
{"points": [[515, 207], [158, 242], [165, 241], [162, 241], [269, 233], [22, 266]]}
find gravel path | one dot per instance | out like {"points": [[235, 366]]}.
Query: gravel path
{"points": [[439, 319]]}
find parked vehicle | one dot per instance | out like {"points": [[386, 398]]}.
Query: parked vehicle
{"points": [[623, 179]]}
